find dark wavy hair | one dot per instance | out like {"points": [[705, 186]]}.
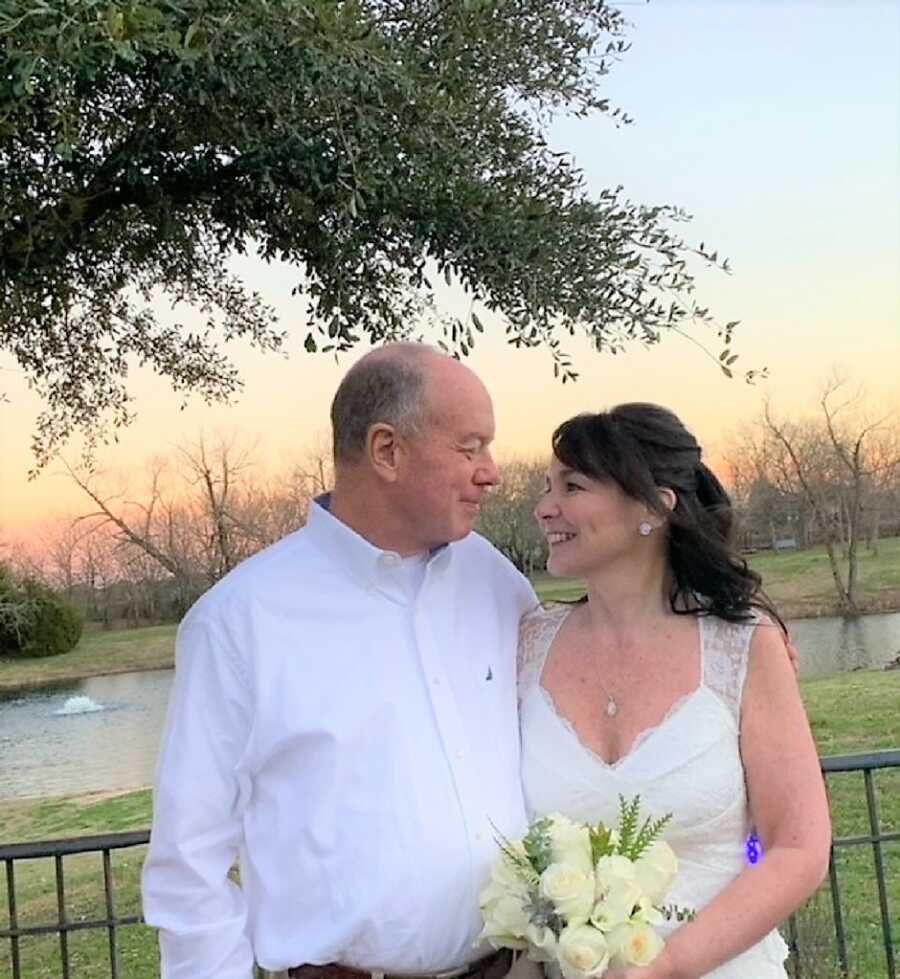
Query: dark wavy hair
{"points": [[642, 448]]}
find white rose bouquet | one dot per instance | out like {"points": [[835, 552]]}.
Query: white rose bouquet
{"points": [[584, 897]]}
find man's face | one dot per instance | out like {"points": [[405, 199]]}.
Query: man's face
{"points": [[449, 466]]}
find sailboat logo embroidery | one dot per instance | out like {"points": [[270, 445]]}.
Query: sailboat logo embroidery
{"points": [[490, 674]]}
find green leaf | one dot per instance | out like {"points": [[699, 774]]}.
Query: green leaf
{"points": [[635, 837], [191, 32], [601, 842], [627, 825], [538, 846]]}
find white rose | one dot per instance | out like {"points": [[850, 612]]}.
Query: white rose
{"points": [[491, 893], [656, 870], [571, 891], [570, 843], [616, 907], [505, 922], [505, 877], [647, 912], [634, 943], [613, 869], [582, 952], [617, 892]]}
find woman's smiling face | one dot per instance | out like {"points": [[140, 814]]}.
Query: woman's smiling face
{"points": [[589, 523]]}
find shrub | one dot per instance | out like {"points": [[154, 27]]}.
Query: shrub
{"points": [[34, 620], [56, 626], [16, 614]]}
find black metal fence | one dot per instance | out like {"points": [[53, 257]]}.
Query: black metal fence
{"points": [[57, 850], [868, 765]]}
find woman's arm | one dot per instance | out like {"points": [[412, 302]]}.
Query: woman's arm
{"points": [[789, 809]]}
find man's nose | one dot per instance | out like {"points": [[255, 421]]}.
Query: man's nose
{"points": [[488, 474]]}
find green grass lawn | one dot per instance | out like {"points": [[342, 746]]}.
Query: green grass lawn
{"points": [[100, 651], [799, 582], [849, 713], [85, 901], [63, 817]]}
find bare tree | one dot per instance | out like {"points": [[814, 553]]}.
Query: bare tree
{"points": [[100, 570], [63, 551], [275, 505], [507, 514], [198, 516], [767, 511], [884, 495], [214, 475], [832, 461]]}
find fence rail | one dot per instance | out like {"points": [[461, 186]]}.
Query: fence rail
{"points": [[57, 850], [867, 764]]}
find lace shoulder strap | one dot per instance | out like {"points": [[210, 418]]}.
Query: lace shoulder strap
{"points": [[726, 649], [536, 633]]}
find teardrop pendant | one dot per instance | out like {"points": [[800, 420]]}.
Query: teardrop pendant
{"points": [[612, 708]]}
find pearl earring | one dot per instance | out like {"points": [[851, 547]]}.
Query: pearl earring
{"points": [[645, 528]]}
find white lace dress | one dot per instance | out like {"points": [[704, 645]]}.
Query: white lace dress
{"points": [[689, 765]]}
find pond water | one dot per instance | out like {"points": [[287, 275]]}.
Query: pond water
{"points": [[103, 733], [94, 735], [836, 645]]}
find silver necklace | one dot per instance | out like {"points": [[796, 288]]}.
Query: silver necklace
{"points": [[612, 705]]}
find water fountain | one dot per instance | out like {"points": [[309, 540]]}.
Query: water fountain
{"points": [[78, 705]]}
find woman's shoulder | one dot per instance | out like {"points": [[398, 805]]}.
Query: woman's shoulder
{"points": [[536, 632], [543, 618], [547, 611], [738, 632], [729, 646]]}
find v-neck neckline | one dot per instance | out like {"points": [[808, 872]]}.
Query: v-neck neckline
{"points": [[645, 734], [640, 739]]}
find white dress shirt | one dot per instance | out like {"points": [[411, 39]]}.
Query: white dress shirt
{"points": [[347, 726]]}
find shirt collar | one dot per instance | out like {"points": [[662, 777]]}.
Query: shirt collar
{"points": [[368, 562]]}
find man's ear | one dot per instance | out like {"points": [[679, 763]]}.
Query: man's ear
{"points": [[384, 450]]}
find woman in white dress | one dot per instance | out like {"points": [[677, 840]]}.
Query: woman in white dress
{"points": [[671, 681]]}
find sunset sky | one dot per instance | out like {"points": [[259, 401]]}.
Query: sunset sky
{"points": [[775, 124]]}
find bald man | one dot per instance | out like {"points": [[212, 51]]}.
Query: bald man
{"points": [[343, 716]]}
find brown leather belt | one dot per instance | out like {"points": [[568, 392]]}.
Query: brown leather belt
{"points": [[493, 966]]}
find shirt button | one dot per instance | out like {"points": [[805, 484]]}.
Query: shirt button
{"points": [[390, 560], [459, 756], [436, 681]]}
